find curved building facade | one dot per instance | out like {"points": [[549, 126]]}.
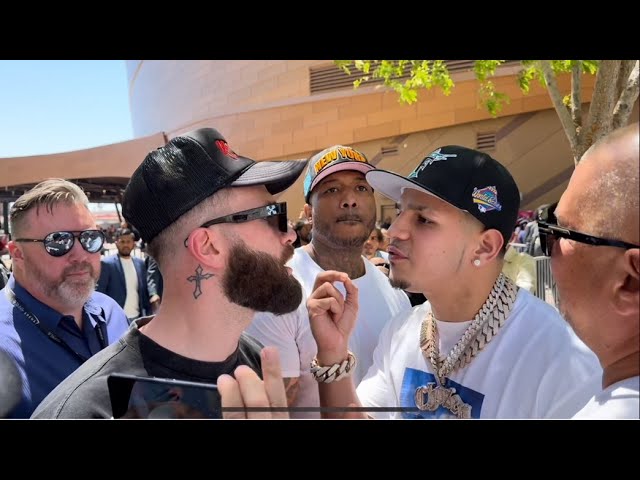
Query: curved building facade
{"points": [[284, 109]]}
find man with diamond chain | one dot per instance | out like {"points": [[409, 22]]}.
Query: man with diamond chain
{"points": [[211, 222], [507, 353]]}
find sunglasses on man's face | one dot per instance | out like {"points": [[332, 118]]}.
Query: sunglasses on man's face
{"points": [[275, 214], [549, 232], [58, 244]]}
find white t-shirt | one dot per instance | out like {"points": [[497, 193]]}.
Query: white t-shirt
{"points": [[291, 333], [132, 303], [535, 367], [618, 401], [378, 304]]}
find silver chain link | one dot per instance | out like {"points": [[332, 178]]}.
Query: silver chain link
{"points": [[486, 324]]}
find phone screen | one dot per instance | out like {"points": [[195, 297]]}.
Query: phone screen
{"points": [[161, 398]]}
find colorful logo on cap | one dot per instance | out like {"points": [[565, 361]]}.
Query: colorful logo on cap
{"points": [[486, 198], [338, 154], [224, 147], [435, 156]]}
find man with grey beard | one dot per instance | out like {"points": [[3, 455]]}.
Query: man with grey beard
{"points": [[51, 317]]}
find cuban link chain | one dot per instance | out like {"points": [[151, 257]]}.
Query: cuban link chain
{"points": [[486, 324]]}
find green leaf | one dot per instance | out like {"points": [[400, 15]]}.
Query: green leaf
{"points": [[408, 95], [590, 66]]}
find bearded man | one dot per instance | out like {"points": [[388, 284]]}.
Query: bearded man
{"points": [[210, 221]]}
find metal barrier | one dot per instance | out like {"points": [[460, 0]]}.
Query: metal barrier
{"points": [[545, 284]]}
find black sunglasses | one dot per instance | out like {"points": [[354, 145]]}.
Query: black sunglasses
{"points": [[58, 244], [274, 213], [549, 232]]}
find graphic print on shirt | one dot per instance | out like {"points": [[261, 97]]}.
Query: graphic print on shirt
{"points": [[414, 379]]}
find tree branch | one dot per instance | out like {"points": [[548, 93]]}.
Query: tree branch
{"points": [[629, 95], [563, 113], [626, 66], [602, 102], [576, 98]]}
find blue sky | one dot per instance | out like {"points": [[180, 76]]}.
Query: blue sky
{"points": [[51, 106]]}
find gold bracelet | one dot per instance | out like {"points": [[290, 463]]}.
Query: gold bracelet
{"points": [[334, 372]]}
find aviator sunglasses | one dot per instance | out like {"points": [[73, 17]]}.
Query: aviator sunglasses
{"points": [[549, 232], [275, 214], [58, 244]]}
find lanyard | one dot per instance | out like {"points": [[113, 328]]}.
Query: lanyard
{"points": [[98, 328]]}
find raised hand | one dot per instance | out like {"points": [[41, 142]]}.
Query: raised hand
{"points": [[332, 316], [247, 390]]}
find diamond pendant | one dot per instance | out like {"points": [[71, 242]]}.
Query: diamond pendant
{"points": [[432, 396]]}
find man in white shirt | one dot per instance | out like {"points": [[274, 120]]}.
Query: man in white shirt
{"points": [[342, 211], [124, 277], [593, 240]]}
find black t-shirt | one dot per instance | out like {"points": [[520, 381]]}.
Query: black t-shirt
{"points": [[84, 394]]}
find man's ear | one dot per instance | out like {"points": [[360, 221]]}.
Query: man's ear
{"points": [[489, 246], [626, 295], [308, 212], [15, 251], [207, 247]]}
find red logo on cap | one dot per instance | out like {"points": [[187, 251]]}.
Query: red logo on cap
{"points": [[224, 146]]}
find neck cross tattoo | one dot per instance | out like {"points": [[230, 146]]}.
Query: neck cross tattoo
{"points": [[197, 278]]}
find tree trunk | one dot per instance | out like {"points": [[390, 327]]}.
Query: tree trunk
{"points": [[561, 110], [599, 123], [628, 96], [576, 99]]}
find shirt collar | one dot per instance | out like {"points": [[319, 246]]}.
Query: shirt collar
{"points": [[47, 315]]}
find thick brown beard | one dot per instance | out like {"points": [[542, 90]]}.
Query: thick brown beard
{"points": [[259, 281]]}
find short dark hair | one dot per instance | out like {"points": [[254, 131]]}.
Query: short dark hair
{"points": [[299, 224], [121, 232], [378, 234]]}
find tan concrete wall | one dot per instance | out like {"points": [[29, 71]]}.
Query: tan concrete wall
{"points": [[167, 95], [263, 107], [534, 149], [115, 160], [265, 110]]}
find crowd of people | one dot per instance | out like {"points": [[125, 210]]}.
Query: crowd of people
{"points": [[333, 315]]}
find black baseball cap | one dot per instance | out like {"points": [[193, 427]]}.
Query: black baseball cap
{"points": [[173, 179], [465, 178]]}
